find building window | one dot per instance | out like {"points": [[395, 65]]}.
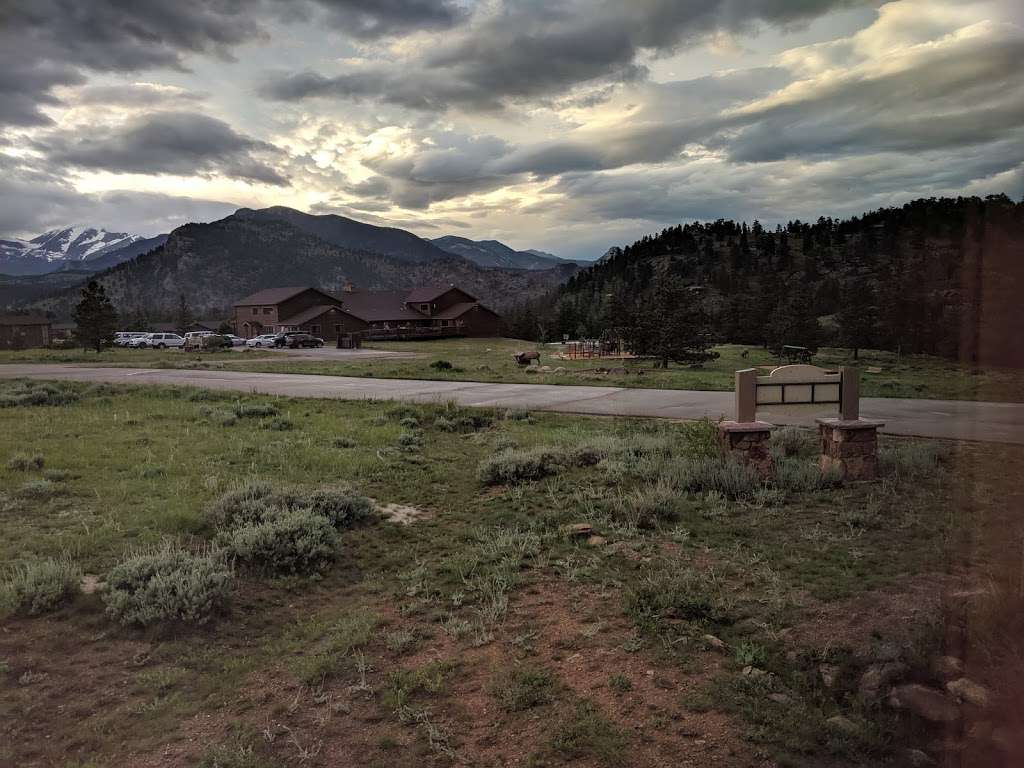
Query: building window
{"points": [[337, 329], [314, 329], [425, 308], [255, 310], [268, 310]]}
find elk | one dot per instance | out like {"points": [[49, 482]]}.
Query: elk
{"points": [[525, 358]]}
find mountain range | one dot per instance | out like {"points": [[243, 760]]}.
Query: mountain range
{"points": [[214, 264], [76, 247], [493, 253]]}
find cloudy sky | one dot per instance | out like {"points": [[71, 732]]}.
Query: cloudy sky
{"points": [[566, 125]]}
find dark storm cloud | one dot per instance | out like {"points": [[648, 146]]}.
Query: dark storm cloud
{"points": [[182, 143], [968, 92], [36, 200], [378, 18], [532, 50], [47, 43]]}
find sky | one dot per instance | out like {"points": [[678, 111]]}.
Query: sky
{"points": [[564, 125]]}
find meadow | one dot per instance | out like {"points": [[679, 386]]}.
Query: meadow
{"points": [[883, 374], [482, 587]]}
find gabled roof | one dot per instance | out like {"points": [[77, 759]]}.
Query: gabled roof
{"points": [[456, 310], [380, 306], [26, 319], [308, 314], [277, 295], [427, 294]]}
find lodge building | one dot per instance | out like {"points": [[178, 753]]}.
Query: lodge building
{"points": [[427, 312]]}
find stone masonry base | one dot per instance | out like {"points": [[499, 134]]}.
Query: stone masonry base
{"points": [[748, 442], [852, 446]]}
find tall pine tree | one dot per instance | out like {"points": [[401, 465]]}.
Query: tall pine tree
{"points": [[95, 316]]}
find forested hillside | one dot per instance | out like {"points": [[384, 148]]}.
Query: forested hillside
{"points": [[212, 265], [937, 276]]}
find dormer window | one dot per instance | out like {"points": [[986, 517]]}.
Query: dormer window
{"points": [[425, 308]]}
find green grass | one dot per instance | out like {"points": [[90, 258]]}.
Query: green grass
{"points": [[152, 358], [490, 360], [392, 625]]}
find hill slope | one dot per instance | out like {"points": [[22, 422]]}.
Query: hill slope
{"points": [[214, 264], [938, 276], [351, 234], [493, 253]]}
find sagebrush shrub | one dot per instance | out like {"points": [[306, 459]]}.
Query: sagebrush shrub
{"points": [[910, 459], [169, 584], [23, 462], [523, 688], [40, 490], [790, 441], [287, 541], [801, 475], [17, 394], [242, 505], [510, 467], [726, 476], [221, 416], [647, 506], [343, 507], [256, 410], [277, 425], [38, 586]]}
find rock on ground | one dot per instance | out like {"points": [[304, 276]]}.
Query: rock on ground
{"points": [[925, 702]]}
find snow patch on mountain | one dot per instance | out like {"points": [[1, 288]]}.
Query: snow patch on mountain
{"points": [[77, 244]]}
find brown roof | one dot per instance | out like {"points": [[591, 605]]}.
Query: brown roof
{"points": [[456, 310], [425, 294], [379, 306], [308, 314], [271, 296], [19, 319]]}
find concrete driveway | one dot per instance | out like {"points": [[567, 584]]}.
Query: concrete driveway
{"points": [[961, 420]]}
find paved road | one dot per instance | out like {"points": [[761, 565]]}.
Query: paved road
{"points": [[991, 422]]}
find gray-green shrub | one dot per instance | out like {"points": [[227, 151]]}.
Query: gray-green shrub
{"points": [[726, 476], [287, 541], [791, 441], [511, 467], [21, 393], [645, 507], [343, 507], [40, 490], [910, 459], [23, 462], [168, 584], [802, 475], [38, 586], [256, 410]]}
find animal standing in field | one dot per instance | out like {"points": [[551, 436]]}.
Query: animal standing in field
{"points": [[525, 358]]}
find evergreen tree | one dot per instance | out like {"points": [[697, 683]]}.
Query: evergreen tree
{"points": [[95, 316], [184, 318], [858, 315], [674, 326]]}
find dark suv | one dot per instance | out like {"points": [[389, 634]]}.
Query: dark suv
{"points": [[296, 339]]}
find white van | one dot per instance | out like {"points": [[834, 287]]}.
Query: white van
{"points": [[157, 340]]}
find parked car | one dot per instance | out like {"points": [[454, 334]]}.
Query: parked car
{"points": [[236, 341], [158, 341], [206, 340], [122, 338], [263, 340], [296, 339]]}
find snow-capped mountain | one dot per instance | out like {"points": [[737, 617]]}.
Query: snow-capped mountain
{"points": [[72, 247]]}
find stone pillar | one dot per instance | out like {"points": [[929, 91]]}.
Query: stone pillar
{"points": [[747, 442], [850, 445]]}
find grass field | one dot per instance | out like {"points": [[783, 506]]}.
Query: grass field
{"points": [[884, 374], [491, 360], [489, 631]]}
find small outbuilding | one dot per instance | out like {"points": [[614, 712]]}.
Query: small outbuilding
{"points": [[22, 330]]}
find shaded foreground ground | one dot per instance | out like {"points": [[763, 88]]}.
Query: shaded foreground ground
{"points": [[884, 374], [487, 632]]}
